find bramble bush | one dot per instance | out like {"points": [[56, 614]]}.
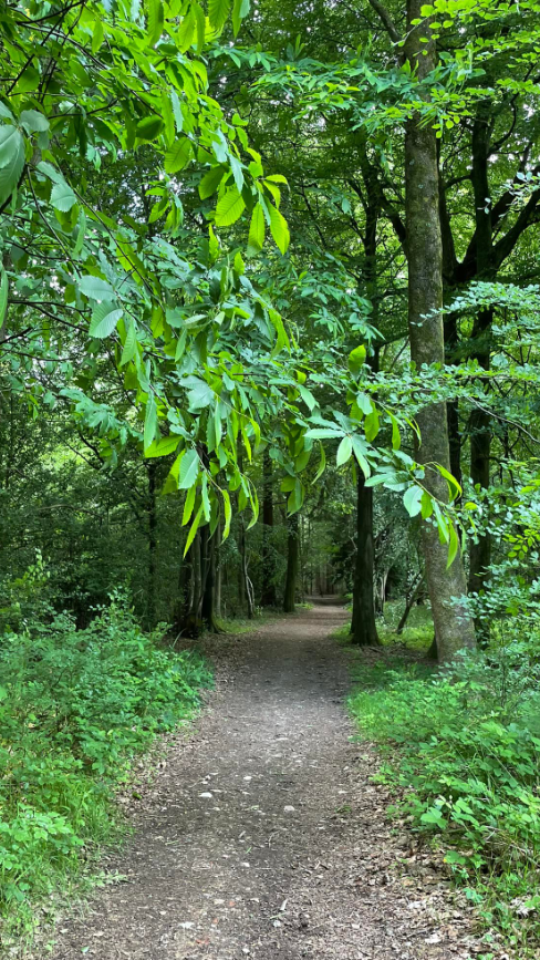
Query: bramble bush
{"points": [[75, 707], [464, 746]]}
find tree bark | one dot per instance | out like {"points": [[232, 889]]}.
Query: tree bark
{"points": [[268, 592], [363, 626], [454, 629], [208, 579], [152, 545], [289, 598]]}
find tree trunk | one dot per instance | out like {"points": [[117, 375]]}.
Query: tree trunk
{"points": [[409, 603], [453, 627], [363, 627], [268, 592], [208, 579], [289, 599], [152, 546], [245, 584], [480, 422]]}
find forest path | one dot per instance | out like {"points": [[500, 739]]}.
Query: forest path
{"points": [[263, 837]]}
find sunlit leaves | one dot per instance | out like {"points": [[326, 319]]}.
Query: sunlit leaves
{"points": [[279, 229], [155, 19], [178, 156], [230, 207], [218, 11]]}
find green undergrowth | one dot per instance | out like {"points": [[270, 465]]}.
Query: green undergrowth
{"points": [[76, 708], [418, 632], [462, 750]]}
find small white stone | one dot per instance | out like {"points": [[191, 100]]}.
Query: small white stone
{"points": [[205, 796], [289, 809]]}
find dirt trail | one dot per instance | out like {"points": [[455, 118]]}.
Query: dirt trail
{"points": [[263, 836]]}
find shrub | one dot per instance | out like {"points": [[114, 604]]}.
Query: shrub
{"points": [[75, 707], [466, 752]]}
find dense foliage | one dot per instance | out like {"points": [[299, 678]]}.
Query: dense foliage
{"points": [[465, 755], [76, 706], [269, 296]]}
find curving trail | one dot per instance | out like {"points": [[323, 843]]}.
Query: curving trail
{"points": [[263, 837]]}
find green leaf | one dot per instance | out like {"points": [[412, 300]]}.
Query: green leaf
{"points": [[178, 156], [227, 513], [371, 425], [211, 181], [130, 344], [322, 465], [189, 470], [98, 36], [49, 171], [360, 451], [453, 546], [413, 501], [279, 229], [149, 128], [200, 396], [218, 11], [453, 485], [4, 292], [105, 316], [256, 231], [95, 288], [200, 18], [62, 197], [162, 447], [344, 451], [240, 11], [12, 159], [189, 504], [177, 111], [322, 433], [150, 422], [357, 358], [155, 20], [193, 530], [230, 207], [33, 121]]}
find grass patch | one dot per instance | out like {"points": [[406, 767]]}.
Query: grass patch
{"points": [[76, 707], [464, 752]]}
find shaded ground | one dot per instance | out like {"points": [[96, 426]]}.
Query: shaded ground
{"points": [[263, 837]]}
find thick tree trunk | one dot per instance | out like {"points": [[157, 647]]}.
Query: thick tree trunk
{"points": [[289, 597], [453, 627], [268, 592], [363, 626]]}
